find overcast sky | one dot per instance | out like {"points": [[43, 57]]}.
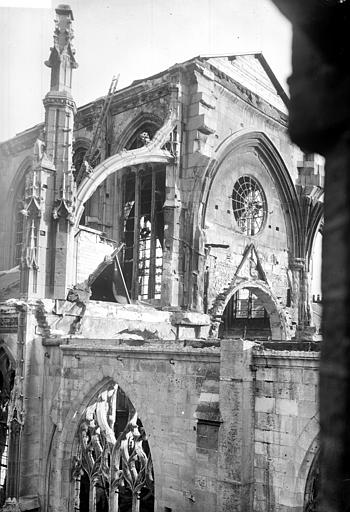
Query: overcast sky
{"points": [[136, 38]]}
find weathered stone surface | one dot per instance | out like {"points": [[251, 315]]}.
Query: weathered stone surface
{"points": [[231, 423]]}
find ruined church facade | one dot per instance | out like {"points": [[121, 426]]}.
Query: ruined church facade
{"points": [[159, 338]]}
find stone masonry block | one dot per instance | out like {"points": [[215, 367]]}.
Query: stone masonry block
{"points": [[264, 404], [310, 377], [260, 505], [307, 409], [308, 392], [266, 421], [266, 374], [261, 448], [286, 407], [287, 498]]}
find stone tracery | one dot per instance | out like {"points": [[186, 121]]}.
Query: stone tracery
{"points": [[112, 468]]}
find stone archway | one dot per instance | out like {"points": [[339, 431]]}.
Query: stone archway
{"points": [[306, 476], [266, 301], [15, 219], [112, 463], [274, 165], [152, 152], [100, 459], [311, 496]]}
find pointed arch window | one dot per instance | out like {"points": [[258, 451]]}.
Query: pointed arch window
{"points": [[19, 224], [143, 227], [112, 468], [143, 135]]}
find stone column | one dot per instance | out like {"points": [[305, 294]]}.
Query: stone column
{"points": [[305, 330], [59, 119], [236, 434], [172, 275], [172, 279]]}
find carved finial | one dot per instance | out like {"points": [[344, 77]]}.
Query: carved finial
{"points": [[65, 204], [39, 148], [62, 59]]}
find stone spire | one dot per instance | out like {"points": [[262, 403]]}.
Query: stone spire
{"points": [[59, 104], [59, 123], [62, 60]]}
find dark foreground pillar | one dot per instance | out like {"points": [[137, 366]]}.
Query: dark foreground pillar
{"points": [[320, 123]]}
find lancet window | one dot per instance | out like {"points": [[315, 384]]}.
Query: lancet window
{"points": [[112, 470], [142, 136], [19, 224], [143, 227]]}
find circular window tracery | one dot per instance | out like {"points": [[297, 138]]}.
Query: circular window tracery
{"points": [[249, 205]]}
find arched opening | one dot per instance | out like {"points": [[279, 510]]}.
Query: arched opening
{"points": [[112, 464], [135, 270], [270, 169], [245, 316], [100, 208], [92, 213], [7, 375], [126, 208], [316, 290], [143, 232], [311, 496], [143, 135], [19, 224]]}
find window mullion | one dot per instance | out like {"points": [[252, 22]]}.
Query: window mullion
{"points": [[135, 264], [152, 269]]}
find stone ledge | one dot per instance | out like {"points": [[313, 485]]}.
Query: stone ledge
{"points": [[158, 351]]}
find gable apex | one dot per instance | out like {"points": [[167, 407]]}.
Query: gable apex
{"points": [[253, 72]]}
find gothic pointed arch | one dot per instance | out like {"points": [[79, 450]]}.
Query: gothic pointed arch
{"points": [[112, 465], [312, 215], [307, 469], [136, 218], [312, 487], [275, 166], [266, 307], [143, 122], [16, 220], [152, 152], [80, 147], [102, 451]]}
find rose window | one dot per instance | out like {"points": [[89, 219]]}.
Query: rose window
{"points": [[249, 205]]}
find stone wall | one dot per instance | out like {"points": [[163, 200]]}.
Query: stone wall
{"points": [[286, 426], [91, 249], [232, 426], [163, 382]]}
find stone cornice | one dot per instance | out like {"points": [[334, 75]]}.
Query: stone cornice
{"points": [[286, 358], [21, 141], [59, 99], [126, 99], [164, 350], [245, 94]]}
